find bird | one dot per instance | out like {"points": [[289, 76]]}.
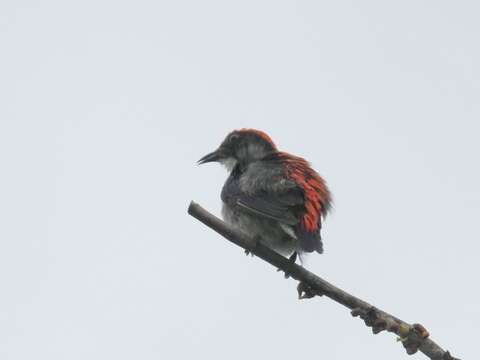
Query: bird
{"points": [[271, 195]]}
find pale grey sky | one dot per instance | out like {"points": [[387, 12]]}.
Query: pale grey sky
{"points": [[106, 106]]}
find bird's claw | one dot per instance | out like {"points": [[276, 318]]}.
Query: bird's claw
{"points": [[292, 259], [305, 291], [287, 274], [256, 240]]}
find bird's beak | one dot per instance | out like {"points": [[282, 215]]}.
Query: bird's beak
{"points": [[213, 156]]}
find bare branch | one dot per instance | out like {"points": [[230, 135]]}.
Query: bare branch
{"points": [[413, 337]]}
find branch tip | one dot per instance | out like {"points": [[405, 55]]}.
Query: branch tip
{"points": [[413, 337]]}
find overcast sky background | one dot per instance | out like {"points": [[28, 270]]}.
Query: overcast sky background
{"points": [[107, 105]]}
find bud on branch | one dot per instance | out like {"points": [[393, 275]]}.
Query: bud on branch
{"points": [[413, 337]]}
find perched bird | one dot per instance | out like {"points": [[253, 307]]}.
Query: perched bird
{"points": [[271, 195]]}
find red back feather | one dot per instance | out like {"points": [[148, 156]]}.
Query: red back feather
{"points": [[317, 196]]}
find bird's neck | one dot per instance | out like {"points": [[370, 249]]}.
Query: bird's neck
{"points": [[237, 171]]}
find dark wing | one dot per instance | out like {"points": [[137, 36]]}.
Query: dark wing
{"points": [[287, 208], [284, 205]]}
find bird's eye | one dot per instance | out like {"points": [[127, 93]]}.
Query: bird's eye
{"points": [[233, 138]]}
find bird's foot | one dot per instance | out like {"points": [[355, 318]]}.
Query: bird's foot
{"points": [[292, 259], [256, 240], [305, 291]]}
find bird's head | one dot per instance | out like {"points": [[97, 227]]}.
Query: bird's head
{"points": [[241, 147]]}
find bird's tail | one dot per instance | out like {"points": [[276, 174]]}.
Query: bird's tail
{"points": [[310, 242]]}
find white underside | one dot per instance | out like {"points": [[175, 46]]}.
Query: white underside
{"points": [[229, 163], [289, 230]]}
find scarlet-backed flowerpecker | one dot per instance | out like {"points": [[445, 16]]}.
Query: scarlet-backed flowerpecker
{"points": [[271, 195]]}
